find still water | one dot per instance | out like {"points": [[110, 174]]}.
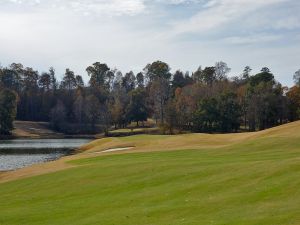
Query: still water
{"points": [[16, 154]]}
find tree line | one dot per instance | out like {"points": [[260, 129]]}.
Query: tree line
{"points": [[206, 100]]}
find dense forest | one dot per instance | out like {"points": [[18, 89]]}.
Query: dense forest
{"points": [[203, 101]]}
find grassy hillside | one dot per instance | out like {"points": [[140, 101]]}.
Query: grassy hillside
{"points": [[30, 129], [250, 178]]}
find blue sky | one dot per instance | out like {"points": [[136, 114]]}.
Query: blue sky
{"points": [[128, 34]]}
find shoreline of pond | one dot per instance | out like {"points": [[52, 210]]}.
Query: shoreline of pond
{"points": [[19, 153], [14, 137]]}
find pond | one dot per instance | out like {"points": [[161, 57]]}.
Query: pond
{"points": [[16, 154]]}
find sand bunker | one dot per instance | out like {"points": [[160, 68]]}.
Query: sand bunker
{"points": [[116, 149]]}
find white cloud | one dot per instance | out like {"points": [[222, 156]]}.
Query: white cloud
{"points": [[131, 33], [219, 12], [252, 39], [210, 3], [103, 7], [115, 7], [177, 2], [30, 2], [289, 23]]}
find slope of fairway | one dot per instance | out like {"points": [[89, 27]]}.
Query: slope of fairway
{"points": [[250, 178]]}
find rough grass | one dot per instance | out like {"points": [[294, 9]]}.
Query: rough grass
{"points": [[201, 179], [28, 129], [127, 130]]}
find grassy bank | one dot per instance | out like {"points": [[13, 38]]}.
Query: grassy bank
{"points": [[40, 130], [249, 178]]}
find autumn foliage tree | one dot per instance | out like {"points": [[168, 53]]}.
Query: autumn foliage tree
{"points": [[206, 100]]}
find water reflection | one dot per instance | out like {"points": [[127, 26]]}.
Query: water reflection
{"points": [[16, 154], [42, 143]]}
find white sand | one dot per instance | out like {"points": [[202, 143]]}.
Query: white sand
{"points": [[116, 149]]}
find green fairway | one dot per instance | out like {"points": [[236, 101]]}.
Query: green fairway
{"points": [[255, 180]]}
